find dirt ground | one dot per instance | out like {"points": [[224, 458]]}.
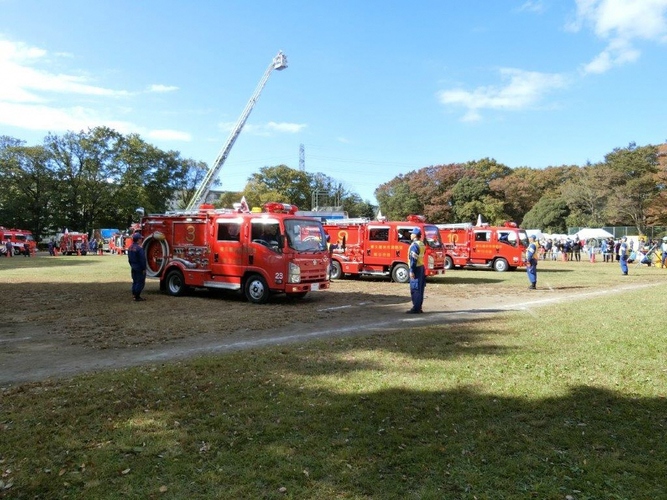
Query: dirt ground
{"points": [[55, 331]]}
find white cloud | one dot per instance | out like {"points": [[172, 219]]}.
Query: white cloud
{"points": [[522, 90], [162, 88], [533, 6], [34, 98], [620, 23], [21, 82], [265, 129], [290, 128], [170, 135]]}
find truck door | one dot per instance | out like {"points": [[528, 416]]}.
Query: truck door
{"points": [[483, 248], [377, 251], [402, 244], [264, 250], [510, 246], [227, 257]]}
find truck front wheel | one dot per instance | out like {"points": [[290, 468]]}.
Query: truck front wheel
{"points": [[336, 270], [400, 273], [175, 284], [449, 263], [256, 289], [501, 265]]}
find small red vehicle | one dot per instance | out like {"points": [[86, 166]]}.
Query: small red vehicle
{"points": [[21, 239], [495, 247], [256, 253], [380, 248]]}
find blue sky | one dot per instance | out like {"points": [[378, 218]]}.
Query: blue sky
{"points": [[373, 89]]}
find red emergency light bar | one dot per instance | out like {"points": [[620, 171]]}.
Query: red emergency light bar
{"points": [[277, 208], [416, 218]]}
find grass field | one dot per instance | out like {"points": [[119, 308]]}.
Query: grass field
{"points": [[567, 400]]}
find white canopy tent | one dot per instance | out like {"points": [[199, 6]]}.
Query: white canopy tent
{"points": [[587, 233]]}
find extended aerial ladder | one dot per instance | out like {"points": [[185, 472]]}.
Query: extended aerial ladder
{"points": [[279, 63]]}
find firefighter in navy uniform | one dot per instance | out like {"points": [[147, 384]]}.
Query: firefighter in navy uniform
{"points": [[531, 262], [137, 259]]}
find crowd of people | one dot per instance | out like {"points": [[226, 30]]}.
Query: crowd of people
{"points": [[645, 251]]}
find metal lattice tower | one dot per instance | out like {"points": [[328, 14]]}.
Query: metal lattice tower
{"points": [[302, 158]]}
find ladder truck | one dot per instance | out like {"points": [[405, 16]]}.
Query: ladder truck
{"points": [[278, 63]]}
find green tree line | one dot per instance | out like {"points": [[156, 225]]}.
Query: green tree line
{"points": [[98, 178]]}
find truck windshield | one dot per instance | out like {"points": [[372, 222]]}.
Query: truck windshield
{"points": [[432, 237], [305, 235]]}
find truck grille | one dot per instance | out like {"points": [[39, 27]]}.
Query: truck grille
{"points": [[313, 270]]}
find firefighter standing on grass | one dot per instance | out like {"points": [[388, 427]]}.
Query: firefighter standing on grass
{"points": [[137, 259], [417, 274], [531, 262], [623, 255]]}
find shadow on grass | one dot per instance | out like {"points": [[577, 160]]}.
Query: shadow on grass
{"points": [[238, 427], [552, 271]]}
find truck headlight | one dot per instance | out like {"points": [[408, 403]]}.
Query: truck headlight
{"points": [[431, 262], [293, 273]]}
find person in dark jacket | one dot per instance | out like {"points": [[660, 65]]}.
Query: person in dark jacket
{"points": [[137, 259], [531, 262], [417, 272]]}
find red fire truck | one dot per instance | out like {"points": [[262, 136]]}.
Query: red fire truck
{"points": [[380, 248], [495, 247], [256, 253], [73, 243], [18, 238]]}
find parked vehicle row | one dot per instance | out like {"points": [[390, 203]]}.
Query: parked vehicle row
{"points": [[380, 248], [501, 248]]}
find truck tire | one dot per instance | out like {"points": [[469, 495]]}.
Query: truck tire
{"points": [[501, 265], [256, 290], [175, 284], [400, 273], [449, 263], [336, 270]]}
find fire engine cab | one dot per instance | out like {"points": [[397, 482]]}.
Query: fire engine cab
{"points": [[495, 247], [380, 248], [256, 253], [18, 238]]}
